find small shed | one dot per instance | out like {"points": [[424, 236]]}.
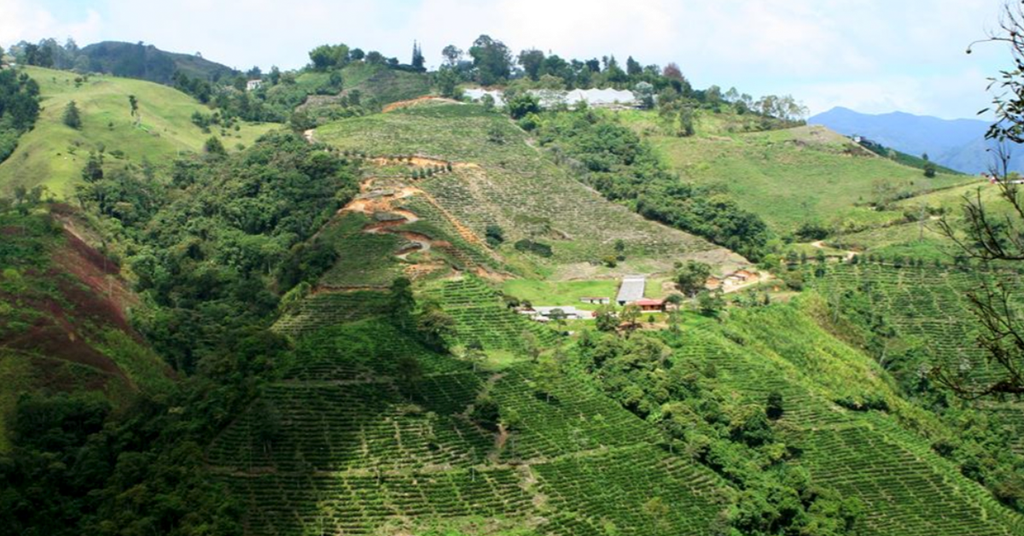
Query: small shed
{"points": [[595, 300]]}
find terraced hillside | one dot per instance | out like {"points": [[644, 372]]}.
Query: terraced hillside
{"points": [[53, 154], [498, 178], [931, 324], [482, 317], [906, 487], [345, 442]]}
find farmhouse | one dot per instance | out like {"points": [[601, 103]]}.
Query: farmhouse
{"points": [[595, 301], [632, 289], [650, 305]]}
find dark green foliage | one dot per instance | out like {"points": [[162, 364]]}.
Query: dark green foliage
{"points": [[146, 62], [491, 59], [537, 248], [486, 413], [306, 262], [325, 57], [19, 108], [495, 235], [522, 104], [734, 439], [447, 81], [774, 407], [245, 213], [214, 147], [614, 160], [810, 231], [71, 116], [692, 277]]}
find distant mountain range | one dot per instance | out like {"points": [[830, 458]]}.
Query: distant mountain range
{"points": [[146, 62], [959, 144]]}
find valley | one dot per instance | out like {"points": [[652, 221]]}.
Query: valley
{"points": [[345, 300]]}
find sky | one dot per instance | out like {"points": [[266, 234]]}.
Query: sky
{"points": [[873, 56]]}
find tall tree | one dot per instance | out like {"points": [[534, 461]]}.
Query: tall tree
{"points": [[531, 61], [633, 67], [417, 57], [491, 59], [452, 55]]}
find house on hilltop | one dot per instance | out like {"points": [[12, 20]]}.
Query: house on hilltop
{"points": [[253, 85]]}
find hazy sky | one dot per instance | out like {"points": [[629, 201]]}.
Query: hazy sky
{"points": [[870, 55]]}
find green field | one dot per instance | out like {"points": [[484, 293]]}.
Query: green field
{"points": [[795, 176], [53, 155]]}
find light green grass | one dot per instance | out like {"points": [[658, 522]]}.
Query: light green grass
{"points": [[561, 292], [793, 176], [53, 154]]}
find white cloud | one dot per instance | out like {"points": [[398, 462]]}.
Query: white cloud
{"points": [[25, 20]]}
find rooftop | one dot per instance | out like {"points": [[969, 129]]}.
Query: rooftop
{"points": [[632, 289]]}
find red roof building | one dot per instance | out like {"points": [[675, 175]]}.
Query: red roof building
{"points": [[647, 304]]}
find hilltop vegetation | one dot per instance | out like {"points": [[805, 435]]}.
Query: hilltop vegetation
{"points": [[53, 154]]}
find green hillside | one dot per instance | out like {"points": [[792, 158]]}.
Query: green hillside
{"points": [[329, 329], [498, 178], [53, 154], [146, 62], [796, 176]]}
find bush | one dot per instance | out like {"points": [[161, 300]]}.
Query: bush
{"points": [[71, 116], [522, 104], [495, 235], [537, 248]]}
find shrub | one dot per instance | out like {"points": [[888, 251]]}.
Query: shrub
{"points": [[529, 246], [72, 118]]}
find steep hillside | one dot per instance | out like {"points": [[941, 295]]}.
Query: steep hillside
{"points": [[53, 154], [498, 178], [802, 175], [146, 62], [63, 318]]}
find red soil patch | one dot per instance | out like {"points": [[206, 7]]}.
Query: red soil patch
{"points": [[91, 298]]}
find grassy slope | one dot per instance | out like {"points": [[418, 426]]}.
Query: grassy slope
{"points": [[788, 177], [53, 154], [510, 184]]}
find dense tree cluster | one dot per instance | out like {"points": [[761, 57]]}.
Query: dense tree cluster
{"points": [[246, 214], [19, 108]]}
